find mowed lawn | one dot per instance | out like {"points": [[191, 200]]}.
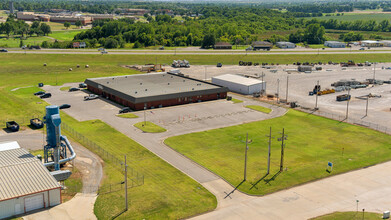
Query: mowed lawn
{"points": [[312, 142], [167, 193], [350, 216]]}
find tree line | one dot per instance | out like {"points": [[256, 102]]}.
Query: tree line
{"points": [[14, 27]]}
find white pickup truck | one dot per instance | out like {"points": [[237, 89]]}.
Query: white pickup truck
{"points": [[90, 97]]}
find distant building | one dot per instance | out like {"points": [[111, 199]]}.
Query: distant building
{"points": [[222, 45], [133, 11], [240, 84], [101, 16], [386, 43], [285, 45], [25, 183], [335, 44], [262, 45], [371, 43], [31, 16], [71, 19]]}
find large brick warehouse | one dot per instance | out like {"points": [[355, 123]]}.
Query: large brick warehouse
{"points": [[155, 90]]}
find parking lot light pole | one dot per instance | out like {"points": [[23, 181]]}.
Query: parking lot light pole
{"points": [[245, 159], [347, 105], [316, 102], [366, 110]]}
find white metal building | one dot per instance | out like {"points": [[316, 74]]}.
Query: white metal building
{"points": [[386, 43], [334, 44], [25, 183], [371, 43], [285, 45], [240, 84]]}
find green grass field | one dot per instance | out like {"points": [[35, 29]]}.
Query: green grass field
{"points": [[127, 115], [259, 108], [312, 142], [351, 16], [66, 35], [236, 100], [167, 193], [350, 216], [15, 42], [149, 127]]}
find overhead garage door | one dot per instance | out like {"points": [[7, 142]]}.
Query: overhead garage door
{"points": [[33, 202]]}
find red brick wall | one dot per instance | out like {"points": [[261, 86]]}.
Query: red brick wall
{"points": [[162, 103]]}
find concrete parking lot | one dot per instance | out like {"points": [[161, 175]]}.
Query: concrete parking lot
{"points": [[301, 83]]}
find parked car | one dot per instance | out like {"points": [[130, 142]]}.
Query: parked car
{"points": [[82, 85], [36, 122], [90, 97], [161, 48], [73, 89], [362, 48], [124, 110], [3, 50], [64, 106], [219, 65], [12, 125], [39, 93], [104, 52], [46, 95]]}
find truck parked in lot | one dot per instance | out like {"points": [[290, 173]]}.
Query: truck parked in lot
{"points": [[36, 123], [90, 97], [343, 97], [12, 125]]}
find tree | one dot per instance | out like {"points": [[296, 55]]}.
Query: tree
{"points": [[314, 34], [45, 44], [111, 43], [78, 23], [67, 25], [7, 28], [209, 41], [45, 29]]}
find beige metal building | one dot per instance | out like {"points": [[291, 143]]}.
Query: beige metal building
{"points": [[25, 183]]}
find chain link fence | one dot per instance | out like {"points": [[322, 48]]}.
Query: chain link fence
{"points": [[134, 177]]}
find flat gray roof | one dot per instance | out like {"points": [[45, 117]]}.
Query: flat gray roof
{"points": [[153, 86], [21, 174]]}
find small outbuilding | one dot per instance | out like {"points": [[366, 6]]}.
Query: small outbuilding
{"points": [[240, 84], [222, 46], [25, 183], [335, 44], [285, 45], [262, 45]]}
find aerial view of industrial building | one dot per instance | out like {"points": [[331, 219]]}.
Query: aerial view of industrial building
{"points": [[155, 90]]}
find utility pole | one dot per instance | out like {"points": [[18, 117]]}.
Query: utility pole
{"points": [[268, 158], [263, 83], [374, 73], [316, 102], [205, 73], [287, 83], [278, 90], [366, 110], [347, 105], [282, 138], [145, 117], [126, 185], [245, 159]]}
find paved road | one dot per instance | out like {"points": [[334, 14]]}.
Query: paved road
{"points": [[194, 52]]}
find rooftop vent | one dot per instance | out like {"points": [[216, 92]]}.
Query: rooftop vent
{"points": [[141, 83], [135, 92], [146, 89], [168, 83], [184, 80]]}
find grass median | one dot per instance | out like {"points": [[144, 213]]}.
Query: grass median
{"points": [[149, 127], [312, 142], [350, 215], [259, 108]]}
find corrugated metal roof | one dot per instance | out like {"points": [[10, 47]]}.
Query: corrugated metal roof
{"points": [[238, 79], [9, 145], [21, 174]]}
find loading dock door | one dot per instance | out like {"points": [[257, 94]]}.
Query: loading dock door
{"points": [[33, 202]]}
